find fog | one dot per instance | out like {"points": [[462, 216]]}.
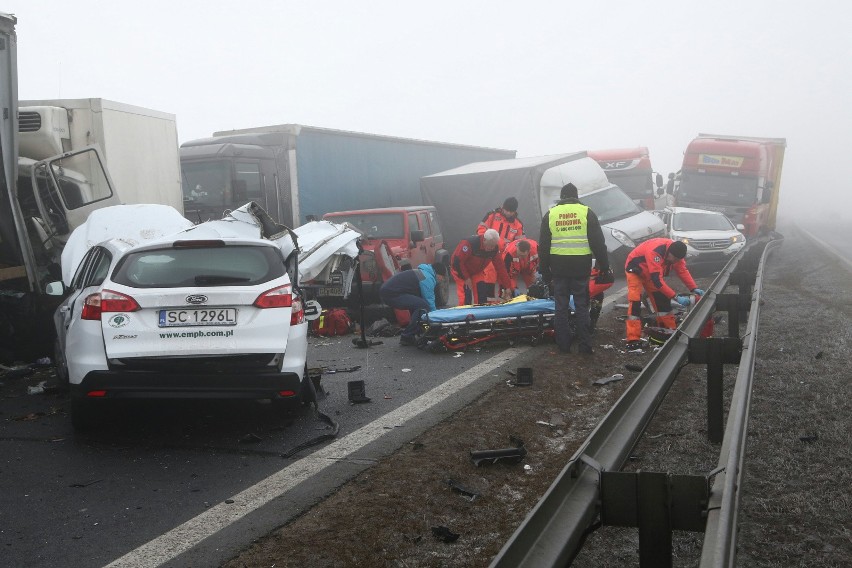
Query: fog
{"points": [[536, 77]]}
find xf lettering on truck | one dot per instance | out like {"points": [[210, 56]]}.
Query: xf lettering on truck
{"points": [[618, 165]]}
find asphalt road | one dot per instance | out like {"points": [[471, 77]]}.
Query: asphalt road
{"points": [[189, 484], [75, 501]]}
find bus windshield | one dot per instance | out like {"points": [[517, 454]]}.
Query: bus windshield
{"points": [[717, 189]]}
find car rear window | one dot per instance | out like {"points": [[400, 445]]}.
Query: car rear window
{"points": [[237, 265]]}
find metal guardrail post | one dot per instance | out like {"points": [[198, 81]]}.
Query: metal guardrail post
{"points": [[714, 352]]}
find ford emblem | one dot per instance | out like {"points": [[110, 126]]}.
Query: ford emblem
{"points": [[196, 299]]}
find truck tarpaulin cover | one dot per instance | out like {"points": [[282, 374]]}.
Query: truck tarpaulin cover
{"points": [[463, 195]]}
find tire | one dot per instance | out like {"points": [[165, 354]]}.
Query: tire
{"points": [[85, 417], [309, 393]]}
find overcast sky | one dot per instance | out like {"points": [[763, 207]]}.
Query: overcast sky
{"points": [[536, 77]]}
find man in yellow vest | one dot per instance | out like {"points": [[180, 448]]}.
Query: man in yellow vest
{"points": [[570, 235]]}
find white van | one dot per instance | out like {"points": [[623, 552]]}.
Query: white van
{"points": [[624, 223]]}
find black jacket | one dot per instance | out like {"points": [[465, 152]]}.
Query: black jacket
{"points": [[572, 266]]}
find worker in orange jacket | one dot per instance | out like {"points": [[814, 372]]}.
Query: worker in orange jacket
{"points": [[645, 268], [505, 221], [521, 258], [471, 257]]}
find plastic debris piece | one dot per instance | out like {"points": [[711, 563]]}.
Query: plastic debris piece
{"points": [[607, 380], [527, 468], [543, 423], [388, 397], [357, 392], [465, 492], [457, 354], [808, 438], [42, 362], [250, 439], [406, 370], [514, 454], [608, 346], [229, 501], [38, 389], [333, 371], [524, 377], [444, 534]]}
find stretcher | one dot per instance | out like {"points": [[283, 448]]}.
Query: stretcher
{"points": [[455, 329]]}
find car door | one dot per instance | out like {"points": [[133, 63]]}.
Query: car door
{"points": [[428, 244], [82, 340], [417, 252]]}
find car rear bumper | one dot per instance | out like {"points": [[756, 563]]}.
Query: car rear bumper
{"points": [[151, 384]]}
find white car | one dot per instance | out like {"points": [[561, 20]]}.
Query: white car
{"points": [[711, 238], [207, 312]]}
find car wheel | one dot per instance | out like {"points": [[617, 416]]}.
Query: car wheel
{"points": [[309, 393], [61, 367], [84, 415]]}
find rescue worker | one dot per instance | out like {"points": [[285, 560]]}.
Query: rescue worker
{"points": [[413, 290], [471, 257], [504, 220], [645, 268], [521, 258], [570, 235]]}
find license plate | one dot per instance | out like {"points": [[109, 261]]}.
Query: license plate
{"points": [[330, 291], [198, 317]]}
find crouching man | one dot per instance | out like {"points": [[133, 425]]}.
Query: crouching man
{"points": [[413, 290]]}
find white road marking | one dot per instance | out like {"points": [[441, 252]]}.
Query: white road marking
{"points": [[182, 538]]}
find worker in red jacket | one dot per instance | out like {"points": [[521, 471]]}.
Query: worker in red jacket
{"points": [[645, 268], [521, 259], [505, 221], [470, 258]]}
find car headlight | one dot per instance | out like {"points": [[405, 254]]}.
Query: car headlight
{"points": [[737, 239], [684, 240], [622, 237]]}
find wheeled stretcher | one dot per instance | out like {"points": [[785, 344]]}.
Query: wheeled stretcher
{"points": [[455, 329]]}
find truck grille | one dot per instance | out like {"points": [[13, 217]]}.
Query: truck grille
{"points": [[29, 121], [709, 244]]}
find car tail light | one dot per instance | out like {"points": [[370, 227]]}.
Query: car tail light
{"points": [[107, 301], [298, 315], [287, 393], [279, 297]]}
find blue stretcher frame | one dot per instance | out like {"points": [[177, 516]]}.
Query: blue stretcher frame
{"points": [[472, 314]]}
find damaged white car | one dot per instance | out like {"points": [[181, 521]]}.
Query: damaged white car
{"points": [[171, 310]]}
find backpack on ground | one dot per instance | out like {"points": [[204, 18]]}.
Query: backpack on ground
{"points": [[332, 322]]}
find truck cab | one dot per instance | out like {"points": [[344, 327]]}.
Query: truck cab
{"points": [[630, 169]]}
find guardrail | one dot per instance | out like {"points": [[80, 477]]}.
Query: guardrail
{"points": [[591, 491]]}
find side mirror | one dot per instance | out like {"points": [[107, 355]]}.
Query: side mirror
{"points": [[670, 186], [740, 227], [658, 181], [55, 288], [416, 236]]}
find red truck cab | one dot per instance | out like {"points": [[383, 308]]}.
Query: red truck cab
{"points": [[738, 176], [630, 169], [394, 239]]}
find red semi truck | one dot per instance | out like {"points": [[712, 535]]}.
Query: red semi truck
{"points": [[737, 175], [630, 169]]}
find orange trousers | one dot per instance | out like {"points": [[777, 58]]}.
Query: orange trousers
{"points": [[637, 284]]}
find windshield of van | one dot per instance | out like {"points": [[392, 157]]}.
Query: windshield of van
{"points": [[374, 225], [610, 205]]}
